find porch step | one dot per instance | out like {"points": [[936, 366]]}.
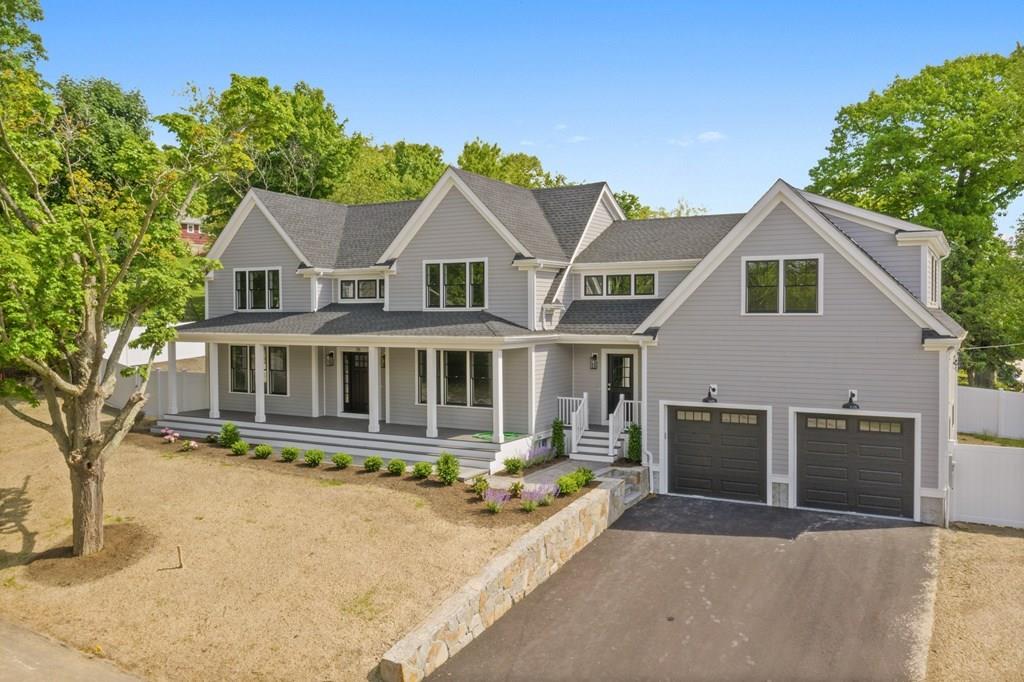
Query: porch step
{"points": [[588, 457]]}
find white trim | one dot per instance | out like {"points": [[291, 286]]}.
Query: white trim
{"points": [[469, 378], [467, 262], [431, 391], [172, 377], [280, 290], [266, 387], [792, 454], [604, 285], [213, 378], [312, 293], [641, 266], [250, 201], [259, 370], [346, 273], [338, 378], [378, 279], [933, 239], [447, 182], [663, 405], [531, 298], [373, 375], [872, 219], [531, 388], [781, 304], [605, 352], [782, 194], [387, 386], [497, 394]]}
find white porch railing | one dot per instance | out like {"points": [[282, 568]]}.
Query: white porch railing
{"points": [[626, 412], [574, 412]]}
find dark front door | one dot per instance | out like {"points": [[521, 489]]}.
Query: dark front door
{"points": [[718, 452], [851, 462], [357, 383], [621, 377]]}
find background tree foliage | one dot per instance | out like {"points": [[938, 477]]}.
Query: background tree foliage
{"points": [[945, 148]]}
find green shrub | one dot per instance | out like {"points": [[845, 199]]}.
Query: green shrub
{"points": [[229, 435], [447, 468], [528, 505], [212, 438], [546, 500], [514, 466], [262, 451], [516, 489], [568, 484], [480, 486], [341, 460], [373, 463], [314, 457], [558, 438], [422, 469], [584, 476], [239, 447], [289, 454], [634, 444], [396, 467]]}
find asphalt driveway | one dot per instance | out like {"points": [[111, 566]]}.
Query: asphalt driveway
{"points": [[682, 588]]}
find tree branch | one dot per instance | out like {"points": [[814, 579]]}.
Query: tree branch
{"points": [[8, 200], [36, 189], [45, 373], [39, 424]]}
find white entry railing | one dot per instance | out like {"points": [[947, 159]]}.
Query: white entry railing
{"points": [[574, 412], [626, 412]]}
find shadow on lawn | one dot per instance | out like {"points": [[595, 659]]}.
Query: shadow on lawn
{"points": [[14, 508]]}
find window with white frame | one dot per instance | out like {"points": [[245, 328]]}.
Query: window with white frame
{"points": [[463, 378], [243, 369], [624, 284], [782, 285], [360, 290], [455, 284], [258, 289]]}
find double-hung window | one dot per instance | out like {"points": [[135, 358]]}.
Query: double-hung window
{"points": [[455, 284], [463, 378], [243, 370], [625, 284], [258, 289], [782, 285], [360, 290]]}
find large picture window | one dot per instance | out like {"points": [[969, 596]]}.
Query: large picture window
{"points": [[463, 378], [787, 285], [620, 285], [243, 369], [258, 289], [455, 284]]}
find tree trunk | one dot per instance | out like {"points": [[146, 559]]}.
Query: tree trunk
{"points": [[87, 507], [982, 377]]}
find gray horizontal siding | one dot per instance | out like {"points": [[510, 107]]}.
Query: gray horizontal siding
{"points": [[553, 370], [599, 222], [592, 381], [669, 280], [457, 230], [543, 285], [299, 400], [257, 245], [861, 341], [903, 262]]}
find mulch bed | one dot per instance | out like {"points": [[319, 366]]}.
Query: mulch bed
{"points": [[455, 503]]}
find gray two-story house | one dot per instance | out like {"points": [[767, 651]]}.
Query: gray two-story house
{"points": [[795, 355]]}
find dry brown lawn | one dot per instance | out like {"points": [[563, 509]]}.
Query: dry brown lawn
{"points": [[979, 605], [285, 576]]}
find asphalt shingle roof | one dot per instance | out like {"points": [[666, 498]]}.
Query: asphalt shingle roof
{"points": [[606, 316], [659, 238], [360, 319]]}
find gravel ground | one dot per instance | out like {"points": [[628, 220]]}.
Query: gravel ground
{"points": [[979, 606], [285, 576]]}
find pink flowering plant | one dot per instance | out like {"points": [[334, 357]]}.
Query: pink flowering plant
{"points": [[189, 445]]}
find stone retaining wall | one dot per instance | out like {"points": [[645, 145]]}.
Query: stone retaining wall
{"points": [[505, 580]]}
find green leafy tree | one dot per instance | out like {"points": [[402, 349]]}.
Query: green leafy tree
{"points": [[84, 251], [943, 148], [637, 210], [398, 172], [525, 170]]}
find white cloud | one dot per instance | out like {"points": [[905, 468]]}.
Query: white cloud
{"points": [[710, 136], [527, 143], [679, 142], [577, 138]]}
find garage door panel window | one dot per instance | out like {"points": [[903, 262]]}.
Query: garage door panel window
{"points": [[739, 418], [880, 426], [829, 424], [693, 416]]}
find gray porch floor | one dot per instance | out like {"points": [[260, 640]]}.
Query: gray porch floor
{"points": [[340, 424]]}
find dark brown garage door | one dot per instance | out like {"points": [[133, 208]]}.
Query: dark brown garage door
{"points": [[717, 452], [856, 463]]}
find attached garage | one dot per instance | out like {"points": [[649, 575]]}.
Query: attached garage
{"points": [[856, 463], [717, 452]]}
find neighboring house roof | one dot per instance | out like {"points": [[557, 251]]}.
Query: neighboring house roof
{"points": [[659, 238], [339, 319], [334, 235], [606, 316]]}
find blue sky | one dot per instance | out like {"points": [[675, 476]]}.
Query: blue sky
{"points": [[709, 102]]}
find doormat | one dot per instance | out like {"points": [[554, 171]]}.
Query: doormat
{"points": [[489, 435]]}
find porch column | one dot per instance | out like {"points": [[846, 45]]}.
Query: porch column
{"points": [[213, 378], [497, 400], [431, 393], [172, 377], [314, 381], [259, 390], [374, 372]]}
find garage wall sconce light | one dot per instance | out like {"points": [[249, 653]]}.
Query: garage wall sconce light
{"points": [[851, 404], [593, 361], [711, 397]]}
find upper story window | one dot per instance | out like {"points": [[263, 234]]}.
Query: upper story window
{"points": [[786, 285], [258, 289], [637, 284], [360, 290], [455, 284]]}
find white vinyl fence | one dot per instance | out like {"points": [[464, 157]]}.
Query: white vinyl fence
{"points": [[193, 393], [988, 485], [983, 410]]}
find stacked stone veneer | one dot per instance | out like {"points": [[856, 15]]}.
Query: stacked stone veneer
{"points": [[505, 580]]}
